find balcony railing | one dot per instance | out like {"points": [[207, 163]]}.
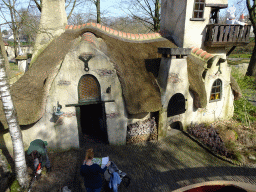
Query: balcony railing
{"points": [[227, 35]]}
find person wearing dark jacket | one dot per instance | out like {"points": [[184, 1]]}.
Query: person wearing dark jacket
{"points": [[91, 173], [38, 151]]}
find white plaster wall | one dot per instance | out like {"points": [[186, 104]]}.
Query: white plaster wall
{"points": [[169, 68], [175, 19], [173, 13], [22, 65], [222, 109], [72, 70], [42, 129], [195, 30], [24, 50], [216, 110]]}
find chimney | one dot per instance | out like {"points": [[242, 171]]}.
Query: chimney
{"points": [[52, 23], [242, 18]]}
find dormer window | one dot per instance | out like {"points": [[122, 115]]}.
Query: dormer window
{"points": [[216, 91], [198, 12]]}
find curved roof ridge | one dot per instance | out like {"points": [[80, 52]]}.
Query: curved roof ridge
{"points": [[120, 34], [201, 53]]}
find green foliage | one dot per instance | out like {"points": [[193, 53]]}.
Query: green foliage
{"points": [[240, 56], [11, 43], [244, 111], [14, 67], [15, 187]]}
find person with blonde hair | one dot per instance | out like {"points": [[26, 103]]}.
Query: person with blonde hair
{"points": [[91, 173]]}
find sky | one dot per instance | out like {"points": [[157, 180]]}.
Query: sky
{"points": [[112, 8]]}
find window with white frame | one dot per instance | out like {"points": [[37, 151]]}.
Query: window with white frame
{"points": [[198, 12], [216, 91]]}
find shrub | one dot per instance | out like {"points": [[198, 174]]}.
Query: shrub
{"points": [[209, 137], [244, 111]]}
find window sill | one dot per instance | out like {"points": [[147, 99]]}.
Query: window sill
{"points": [[211, 101], [197, 19]]}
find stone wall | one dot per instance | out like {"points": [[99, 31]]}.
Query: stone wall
{"points": [[142, 131]]}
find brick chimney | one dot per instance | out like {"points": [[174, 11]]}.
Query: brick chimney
{"points": [[52, 23]]}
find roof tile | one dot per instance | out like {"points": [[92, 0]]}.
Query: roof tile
{"points": [[203, 54], [208, 56], [195, 50], [199, 51], [115, 32]]}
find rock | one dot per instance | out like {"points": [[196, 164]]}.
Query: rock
{"points": [[230, 135], [66, 189], [252, 157]]}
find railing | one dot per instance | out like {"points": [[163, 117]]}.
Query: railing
{"points": [[227, 35]]}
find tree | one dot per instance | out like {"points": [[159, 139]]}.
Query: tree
{"points": [[10, 5], [97, 4], [78, 19], [70, 4], [29, 23], [251, 71], [146, 11], [14, 128]]}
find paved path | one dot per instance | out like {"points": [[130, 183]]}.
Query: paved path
{"points": [[172, 163]]}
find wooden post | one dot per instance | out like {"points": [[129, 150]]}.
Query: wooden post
{"points": [[221, 33]]}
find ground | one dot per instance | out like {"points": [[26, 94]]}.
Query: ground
{"points": [[66, 164]]}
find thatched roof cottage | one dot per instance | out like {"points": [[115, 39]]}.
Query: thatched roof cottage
{"points": [[121, 87]]}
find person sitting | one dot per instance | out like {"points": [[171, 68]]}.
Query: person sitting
{"points": [[38, 151], [91, 173]]}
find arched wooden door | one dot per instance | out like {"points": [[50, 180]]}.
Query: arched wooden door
{"points": [[92, 111], [88, 89]]}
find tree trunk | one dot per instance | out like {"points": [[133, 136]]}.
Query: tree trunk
{"points": [[98, 11], [6, 62], [157, 17], [14, 128], [251, 71]]}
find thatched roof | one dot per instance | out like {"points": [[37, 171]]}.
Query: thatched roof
{"points": [[136, 63]]}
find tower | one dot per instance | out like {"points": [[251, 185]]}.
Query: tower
{"points": [[52, 23], [184, 21]]}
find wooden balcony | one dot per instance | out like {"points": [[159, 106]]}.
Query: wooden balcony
{"points": [[227, 35]]}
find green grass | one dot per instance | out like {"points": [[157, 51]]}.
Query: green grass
{"points": [[240, 56], [243, 109], [14, 67]]}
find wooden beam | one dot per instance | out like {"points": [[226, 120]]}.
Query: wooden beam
{"points": [[230, 51], [221, 6], [88, 103]]}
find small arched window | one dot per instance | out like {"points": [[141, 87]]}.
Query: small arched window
{"points": [[216, 91]]}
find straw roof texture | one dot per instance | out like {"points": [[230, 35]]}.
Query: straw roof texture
{"points": [[136, 63]]}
